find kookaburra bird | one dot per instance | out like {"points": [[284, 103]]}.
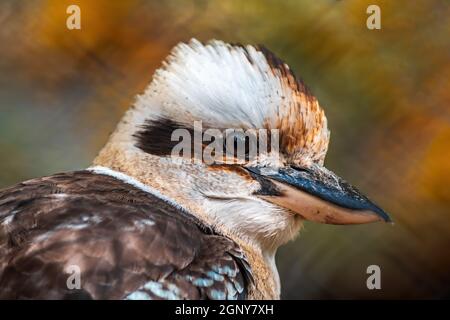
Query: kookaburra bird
{"points": [[139, 225]]}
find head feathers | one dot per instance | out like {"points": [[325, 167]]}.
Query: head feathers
{"points": [[232, 86]]}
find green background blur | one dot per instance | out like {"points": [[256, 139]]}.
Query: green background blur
{"points": [[386, 94]]}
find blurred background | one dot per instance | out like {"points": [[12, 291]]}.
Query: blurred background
{"points": [[386, 94]]}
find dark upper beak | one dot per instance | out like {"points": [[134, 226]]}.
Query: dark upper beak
{"points": [[318, 194]]}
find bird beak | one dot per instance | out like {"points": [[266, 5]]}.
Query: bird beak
{"points": [[317, 194]]}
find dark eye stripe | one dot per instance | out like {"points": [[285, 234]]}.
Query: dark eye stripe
{"points": [[155, 136]]}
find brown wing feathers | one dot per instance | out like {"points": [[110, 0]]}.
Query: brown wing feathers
{"points": [[126, 242]]}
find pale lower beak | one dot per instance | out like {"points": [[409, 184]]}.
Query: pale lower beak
{"points": [[319, 195]]}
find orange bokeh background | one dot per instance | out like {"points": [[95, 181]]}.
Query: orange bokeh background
{"points": [[386, 94]]}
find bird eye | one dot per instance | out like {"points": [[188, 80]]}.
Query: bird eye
{"points": [[242, 147]]}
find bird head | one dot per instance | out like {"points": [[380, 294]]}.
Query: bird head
{"points": [[207, 97]]}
